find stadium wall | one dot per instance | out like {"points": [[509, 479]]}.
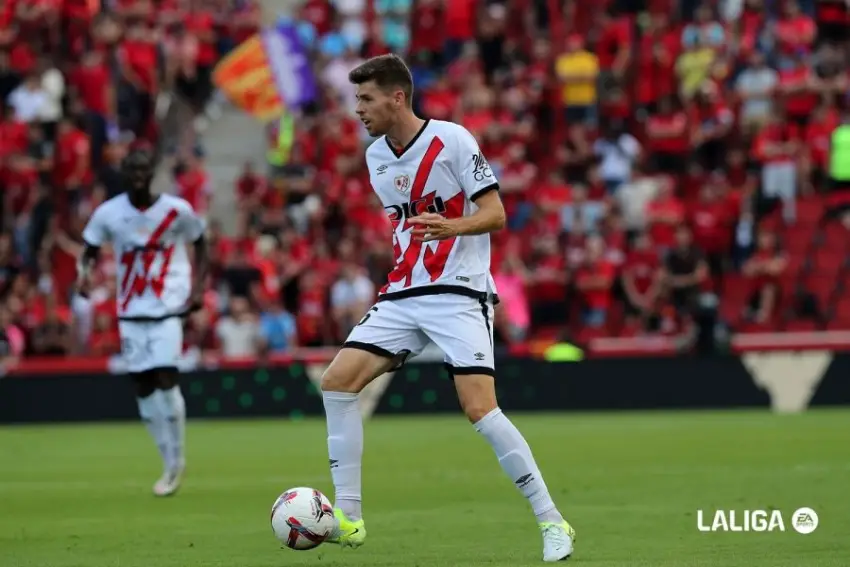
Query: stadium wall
{"points": [[788, 382]]}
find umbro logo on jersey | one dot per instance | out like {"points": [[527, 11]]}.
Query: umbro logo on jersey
{"points": [[479, 356], [402, 184], [383, 169], [333, 463]]}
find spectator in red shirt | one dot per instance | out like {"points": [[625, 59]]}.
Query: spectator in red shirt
{"points": [[92, 81], [641, 279], [312, 315], [548, 285], [794, 31], [763, 270], [711, 122], [614, 46], [797, 86], [137, 57], [193, 182], [250, 187], [668, 137], [72, 169], [594, 282], [776, 147], [712, 221], [656, 61], [664, 214], [459, 25]]}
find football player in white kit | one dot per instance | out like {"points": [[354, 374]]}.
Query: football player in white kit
{"points": [[443, 201], [148, 234]]}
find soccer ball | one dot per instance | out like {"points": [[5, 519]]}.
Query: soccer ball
{"points": [[302, 518]]}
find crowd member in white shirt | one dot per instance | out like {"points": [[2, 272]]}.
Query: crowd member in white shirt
{"points": [[351, 297], [30, 100], [239, 331], [53, 85], [617, 151]]}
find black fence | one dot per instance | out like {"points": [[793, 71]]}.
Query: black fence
{"points": [[784, 381]]}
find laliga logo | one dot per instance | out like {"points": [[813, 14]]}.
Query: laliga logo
{"points": [[803, 520]]}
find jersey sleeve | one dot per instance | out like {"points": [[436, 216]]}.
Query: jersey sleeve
{"points": [[471, 167], [96, 232], [191, 224]]}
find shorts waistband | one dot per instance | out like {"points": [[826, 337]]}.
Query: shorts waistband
{"points": [[438, 290]]}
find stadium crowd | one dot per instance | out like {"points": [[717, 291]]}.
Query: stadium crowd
{"points": [[654, 158], [80, 81]]}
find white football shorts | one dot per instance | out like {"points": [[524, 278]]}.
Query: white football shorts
{"points": [[460, 326], [151, 345]]}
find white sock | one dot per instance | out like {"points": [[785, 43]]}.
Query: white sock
{"points": [[516, 459], [173, 409], [153, 419], [345, 449]]}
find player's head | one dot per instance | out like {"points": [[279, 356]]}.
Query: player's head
{"points": [[138, 170], [384, 92]]}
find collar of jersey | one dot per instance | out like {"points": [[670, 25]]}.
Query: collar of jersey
{"points": [[399, 153]]}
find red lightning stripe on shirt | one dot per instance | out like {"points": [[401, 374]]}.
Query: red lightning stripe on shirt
{"points": [[139, 284], [403, 270], [435, 261]]}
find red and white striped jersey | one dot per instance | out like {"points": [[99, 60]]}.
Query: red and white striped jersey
{"points": [[153, 269], [442, 170]]}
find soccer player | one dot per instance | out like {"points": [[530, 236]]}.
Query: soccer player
{"points": [[443, 201], [148, 234]]}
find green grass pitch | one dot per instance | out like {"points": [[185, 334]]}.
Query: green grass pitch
{"points": [[79, 496]]}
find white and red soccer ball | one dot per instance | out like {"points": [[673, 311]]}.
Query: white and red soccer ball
{"points": [[302, 518]]}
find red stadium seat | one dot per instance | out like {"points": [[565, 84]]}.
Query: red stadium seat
{"points": [[827, 261], [801, 326]]}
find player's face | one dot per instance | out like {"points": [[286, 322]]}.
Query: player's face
{"points": [[377, 108], [138, 179]]}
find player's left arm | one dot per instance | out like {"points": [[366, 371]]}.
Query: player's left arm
{"points": [[195, 230], [480, 185]]}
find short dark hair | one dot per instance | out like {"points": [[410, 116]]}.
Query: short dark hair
{"points": [[388, 72]]}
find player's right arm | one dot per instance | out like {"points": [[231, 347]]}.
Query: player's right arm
{"points": [[95, 235]]}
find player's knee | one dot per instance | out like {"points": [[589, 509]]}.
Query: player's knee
{"points": [[336, 379], [476, 410], [145, 384], [477, 395]]}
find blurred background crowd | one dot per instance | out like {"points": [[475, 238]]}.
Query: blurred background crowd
{"points": [[665, 164]]}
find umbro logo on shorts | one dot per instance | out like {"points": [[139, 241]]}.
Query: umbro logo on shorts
{"points": [[479, 356]]}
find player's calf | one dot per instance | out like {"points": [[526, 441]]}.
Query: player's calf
{"points": [[477, 395], [347, 375], [163, 410]]}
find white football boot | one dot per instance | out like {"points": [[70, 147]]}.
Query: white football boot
{"points": [[169, 482], [558, 539]]}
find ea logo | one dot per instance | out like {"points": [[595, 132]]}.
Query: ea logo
{"points": [[804, 520]]}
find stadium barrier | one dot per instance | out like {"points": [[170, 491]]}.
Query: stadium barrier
{"points": [[786, 381]]}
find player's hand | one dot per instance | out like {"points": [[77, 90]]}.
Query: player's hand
{"points": [[196, 300], [431, 226]]}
